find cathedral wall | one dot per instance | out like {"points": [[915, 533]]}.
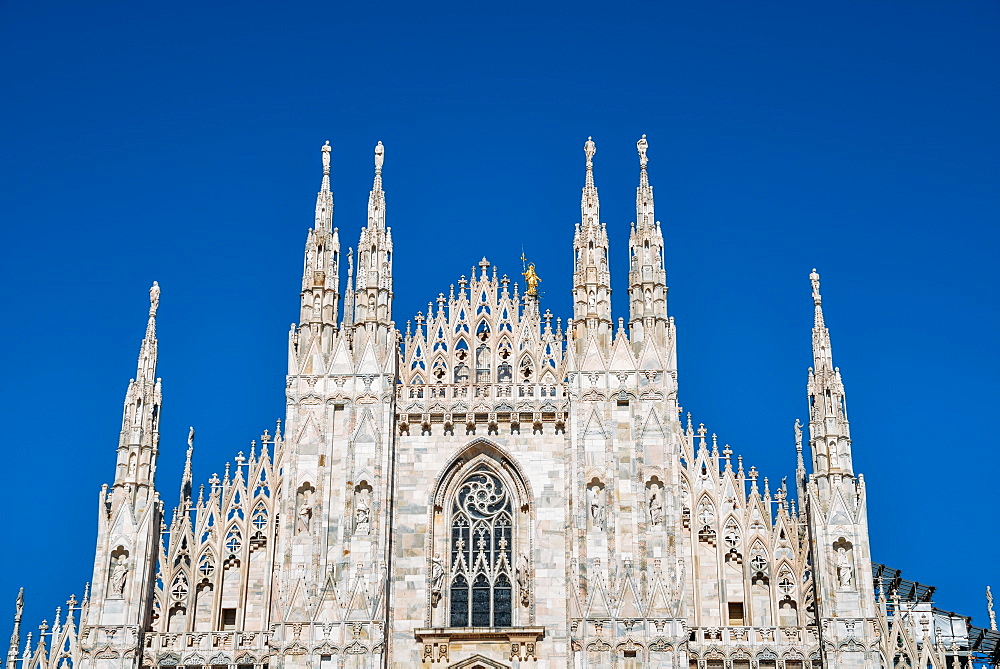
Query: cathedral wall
{"points": [[429, 470]]}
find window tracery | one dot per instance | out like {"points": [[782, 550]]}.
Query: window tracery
{"points": [[481, 552]]}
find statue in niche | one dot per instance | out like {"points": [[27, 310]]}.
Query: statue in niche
{"points": [[119, 575], [362, 511], [522, 579], [305, 511], [596, 495], [437, 577], [845, 572], [655, 506]]}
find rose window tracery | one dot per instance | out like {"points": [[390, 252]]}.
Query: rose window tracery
{"points": [[481, 553]]}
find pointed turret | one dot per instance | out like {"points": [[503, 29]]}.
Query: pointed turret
{"points": [[829, 430], [373, 281], [140, 435], [591, 276], [321, 272], [186, 479], [15, 636], [647, 273]]}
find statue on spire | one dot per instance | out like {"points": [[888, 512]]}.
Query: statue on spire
{"points": [[642, 145], [814, 278], [154, 299], [589, 149], [379, 157], [326, 157]]}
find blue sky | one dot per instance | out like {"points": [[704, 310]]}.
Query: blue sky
{"points": [[180, 142]]}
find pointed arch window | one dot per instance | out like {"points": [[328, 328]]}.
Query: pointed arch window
{"points": [[481, 585]]}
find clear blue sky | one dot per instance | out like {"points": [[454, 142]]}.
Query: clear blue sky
{"points": [[180, 142]]}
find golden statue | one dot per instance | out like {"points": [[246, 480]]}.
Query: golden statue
{"points": [[531, 278]]}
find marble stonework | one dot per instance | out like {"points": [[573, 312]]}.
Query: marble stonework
{"points": [[545, 465]]}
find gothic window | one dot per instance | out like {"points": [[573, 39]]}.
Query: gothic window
{"points": [[505, 373], [481, 540], [526, 369], [180, 589], [461, 373], [206, 566], [233, 541], [259, 520]]}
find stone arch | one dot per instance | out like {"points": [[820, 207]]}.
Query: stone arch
{"points": [[502, 518]]}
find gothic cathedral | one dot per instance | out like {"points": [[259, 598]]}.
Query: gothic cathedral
{"points": [[492, 488]]}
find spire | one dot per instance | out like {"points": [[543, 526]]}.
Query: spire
{"points": [[373, 279], [590, 204], [591, 277], [647, 274], [15, 637], [376, 199], [644, 193], [186, 479], [321, 271], [140, 434], [829, 430], [324, 199]]}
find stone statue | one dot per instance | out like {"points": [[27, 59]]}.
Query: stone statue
{"points": [[655, 507], [531, 279], [597, 507], [798, 432], [379, 157], [305, 511], [844, 569], [119, 574], [522, 578], [642, 145], [437, 578], [362, 513], [589, 148], [154, 298], [326, 158], [190, 437]]}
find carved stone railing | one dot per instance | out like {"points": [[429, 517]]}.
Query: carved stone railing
{"points": [[206, 648]]}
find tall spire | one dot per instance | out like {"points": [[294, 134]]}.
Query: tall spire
{"points": [[829, 430], [590, 204], [140, 434], [647, 274], [324, 199], [186, 479], [591, 277], [15, 637], [373, 280], [321, 271]]}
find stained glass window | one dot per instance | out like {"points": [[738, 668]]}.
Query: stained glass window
{"points": [[481, 553]]}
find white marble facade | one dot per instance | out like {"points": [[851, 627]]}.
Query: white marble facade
{"points": [[489, 487]]}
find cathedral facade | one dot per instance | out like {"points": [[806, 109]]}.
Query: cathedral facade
{"points": [[492, 488]]}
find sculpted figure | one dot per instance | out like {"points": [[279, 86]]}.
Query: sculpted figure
{"points": [[531, 279], [437, 577], [119, 574], [305, 512], [642, 145], [362, 513], [597, 507], [844, 569], [522, 578], [154, 298], [655, 507]]}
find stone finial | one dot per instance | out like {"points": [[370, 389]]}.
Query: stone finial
{"points": [[989, 609]]}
